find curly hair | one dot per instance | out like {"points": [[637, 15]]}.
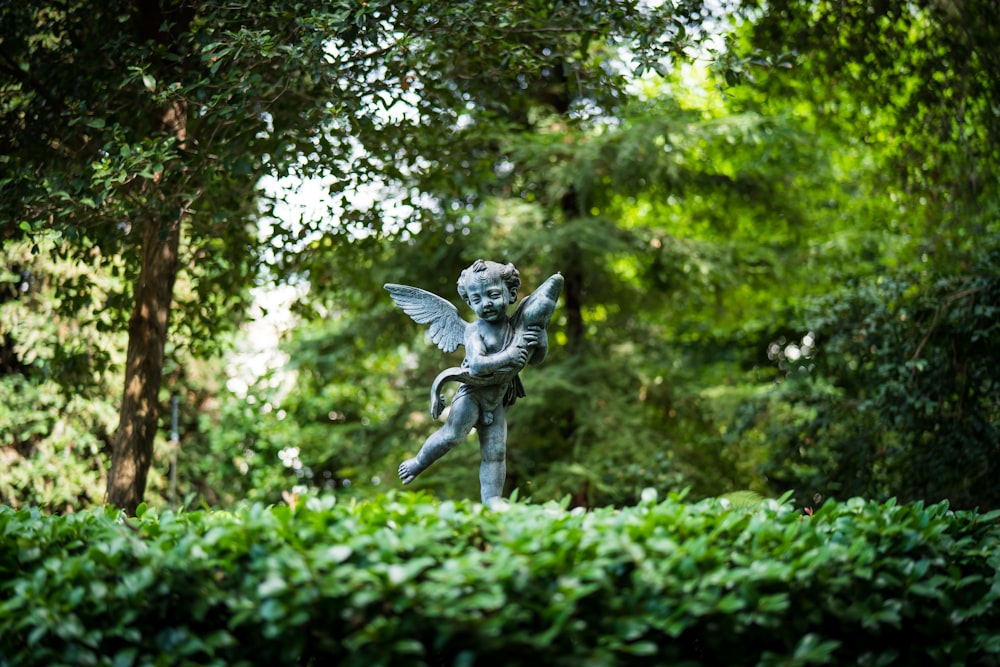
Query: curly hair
{"points": [[486, 270]]}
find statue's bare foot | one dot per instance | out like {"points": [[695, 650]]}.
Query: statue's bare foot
{"points": [[408, 470]]}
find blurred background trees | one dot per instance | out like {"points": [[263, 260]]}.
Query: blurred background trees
{"points": [[777, 224]]}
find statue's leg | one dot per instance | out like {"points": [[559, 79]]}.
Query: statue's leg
{"points": [[463, 416], [493, 449]]}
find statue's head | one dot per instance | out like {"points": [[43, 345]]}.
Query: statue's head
{"points": [[487, 272]]}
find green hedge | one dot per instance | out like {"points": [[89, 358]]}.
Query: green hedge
{"points": [[407, 580]]}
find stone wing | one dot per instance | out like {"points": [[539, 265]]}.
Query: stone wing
{"points": [[447, 328]]}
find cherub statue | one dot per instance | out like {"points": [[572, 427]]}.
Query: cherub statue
{"points": [[497, 347]]}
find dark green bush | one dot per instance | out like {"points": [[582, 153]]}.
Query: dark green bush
{"points": [[405, 580]]}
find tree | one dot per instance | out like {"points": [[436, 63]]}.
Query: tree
{"points": [[134, 126], [831, 177], [915, 82], [898, 393], [141, 130], [677, 228]]}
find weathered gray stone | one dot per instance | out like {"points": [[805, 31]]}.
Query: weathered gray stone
{"points": [[497, 348]]}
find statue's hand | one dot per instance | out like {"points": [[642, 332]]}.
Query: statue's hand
{"points": [[519, 355], [539, 338], [531, 336], [515, 358]]}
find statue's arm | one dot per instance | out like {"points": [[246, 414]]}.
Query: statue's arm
{"points": [[510, 359]]}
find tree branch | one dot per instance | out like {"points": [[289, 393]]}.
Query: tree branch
{"points": [[950, 299]]}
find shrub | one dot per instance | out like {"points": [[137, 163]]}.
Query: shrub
{"points": [[405, 580]]}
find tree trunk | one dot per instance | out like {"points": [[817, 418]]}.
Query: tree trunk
{"points": [[573, 274], [132, 453], [138, 420]]}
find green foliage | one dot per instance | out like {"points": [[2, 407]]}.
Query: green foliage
{"points": [[57, 384], [57, 455], [902, 397], [916, 81], [630, 212], [403, 580], [783, 284], [166, 115], [59, 315], [886, 382]]}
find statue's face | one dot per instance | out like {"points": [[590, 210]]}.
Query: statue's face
{"points": [[489, 298]]}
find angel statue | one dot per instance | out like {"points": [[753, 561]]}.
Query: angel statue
{"points": [[497, 347]]}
